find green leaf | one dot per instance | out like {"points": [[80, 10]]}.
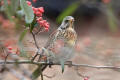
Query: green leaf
{"points": [[23, 35], [27, 25], [29, 15], [68, 11], [37, 72]]}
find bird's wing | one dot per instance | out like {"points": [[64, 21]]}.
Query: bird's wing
{"points": [[52, 39]]}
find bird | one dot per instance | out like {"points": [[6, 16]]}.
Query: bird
{"points": [[61, 43]]}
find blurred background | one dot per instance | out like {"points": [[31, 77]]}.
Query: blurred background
{"points": [[95, 16], [98, 28]]}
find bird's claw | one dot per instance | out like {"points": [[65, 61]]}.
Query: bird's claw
{"points": [[50, 63], [69, 63]]}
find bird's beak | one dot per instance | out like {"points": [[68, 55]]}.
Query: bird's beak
{"points": [[71, 22]]}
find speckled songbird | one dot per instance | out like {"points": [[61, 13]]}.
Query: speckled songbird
{"points": [[60, 45]]}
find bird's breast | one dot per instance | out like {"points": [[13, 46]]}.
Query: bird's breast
{"points": [[70, 36]]}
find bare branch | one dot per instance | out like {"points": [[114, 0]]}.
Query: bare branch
{"points": [[73, 64], [35, 40], [37, 53], [39, 30]]}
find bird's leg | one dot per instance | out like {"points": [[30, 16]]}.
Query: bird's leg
{"points": [[50, 63]]}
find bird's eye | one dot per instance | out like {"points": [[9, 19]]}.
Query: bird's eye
{"points": [[66, 21]]}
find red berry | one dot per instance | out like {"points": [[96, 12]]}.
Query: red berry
{"points": [[46, 25], [41, 9], [29, 3], [9, 47], [39, 19], [86, 78], [46, 29], [44, 21], [41, 23], [38, 14], [34, 9]]}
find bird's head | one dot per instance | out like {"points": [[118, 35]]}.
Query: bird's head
{"points": [[67, 22]]}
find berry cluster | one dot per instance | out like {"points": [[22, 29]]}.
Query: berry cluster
{"points": [[44, 23], [11, 47], [38, 13], [12, 50]]}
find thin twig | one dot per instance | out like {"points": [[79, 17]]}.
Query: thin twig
{"points": [[4, 66], [44, 63], [39, 31], [37, 53], [35, 40], [6, 58]]}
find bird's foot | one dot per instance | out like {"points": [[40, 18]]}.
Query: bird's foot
{"points": [[50, 63], [69, 63]]}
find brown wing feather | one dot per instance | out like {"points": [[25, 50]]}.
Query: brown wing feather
{"points": [[51, 39]]}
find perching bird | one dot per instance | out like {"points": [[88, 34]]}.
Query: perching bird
{"points": [[60, 45]]}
